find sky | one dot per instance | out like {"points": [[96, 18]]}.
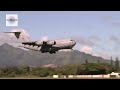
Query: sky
{"points": [[96, 32]]}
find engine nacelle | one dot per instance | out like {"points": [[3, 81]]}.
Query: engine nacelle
{"points": [[45, 42], [51, 43], [40, 42]]}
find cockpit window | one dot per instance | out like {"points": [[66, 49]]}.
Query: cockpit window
{"points": [[71, 40]]}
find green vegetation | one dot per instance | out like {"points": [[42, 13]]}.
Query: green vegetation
{"points": [[89, 68]]}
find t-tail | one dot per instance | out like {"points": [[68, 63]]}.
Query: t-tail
{"points": [[20, 36]]}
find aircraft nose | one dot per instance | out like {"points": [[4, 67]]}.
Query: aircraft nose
{"points": [[73, 42]]}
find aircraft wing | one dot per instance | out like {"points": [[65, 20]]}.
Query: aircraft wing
{"points": [[29, 43], [26, 41], [39, 43]]}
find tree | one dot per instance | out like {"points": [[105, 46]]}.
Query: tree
{"points": [[86, 61], [117, 63], [111, 63], [95, 68], [24, 69], [98, 61]]}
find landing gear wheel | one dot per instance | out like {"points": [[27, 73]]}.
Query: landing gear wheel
{"points": [[42, 52], [51, 52]]}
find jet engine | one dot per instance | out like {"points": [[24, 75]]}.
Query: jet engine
{"points": [[40, 42], [45, 42], [51, 43]]}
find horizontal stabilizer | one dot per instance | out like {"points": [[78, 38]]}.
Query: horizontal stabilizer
{"points": [[17, 34], [20, 36]]}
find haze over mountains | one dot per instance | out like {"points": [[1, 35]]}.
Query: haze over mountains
{"points": [[12, 56]]}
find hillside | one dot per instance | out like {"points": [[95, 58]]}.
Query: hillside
{"points": [[11, 56]]}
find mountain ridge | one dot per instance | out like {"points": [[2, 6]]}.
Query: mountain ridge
{"points": [[13, 56]]}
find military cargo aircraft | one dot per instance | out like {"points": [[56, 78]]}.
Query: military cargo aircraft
{"points": [[51, 46]]}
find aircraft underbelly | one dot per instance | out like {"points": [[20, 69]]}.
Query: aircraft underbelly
{"points": [[49, 48], [62, 46]]}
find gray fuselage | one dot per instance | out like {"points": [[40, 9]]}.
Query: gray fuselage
{"points": [[60, 44]]}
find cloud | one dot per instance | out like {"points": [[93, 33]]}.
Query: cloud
{"points": [[83, 41], [112, 21], [90, 41], [86, 49], [108, 54], [44, 38], [93, 41], [117, 48], [94, 38], [115, 39], [105, 55], [115, 23], [107, 18]]}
